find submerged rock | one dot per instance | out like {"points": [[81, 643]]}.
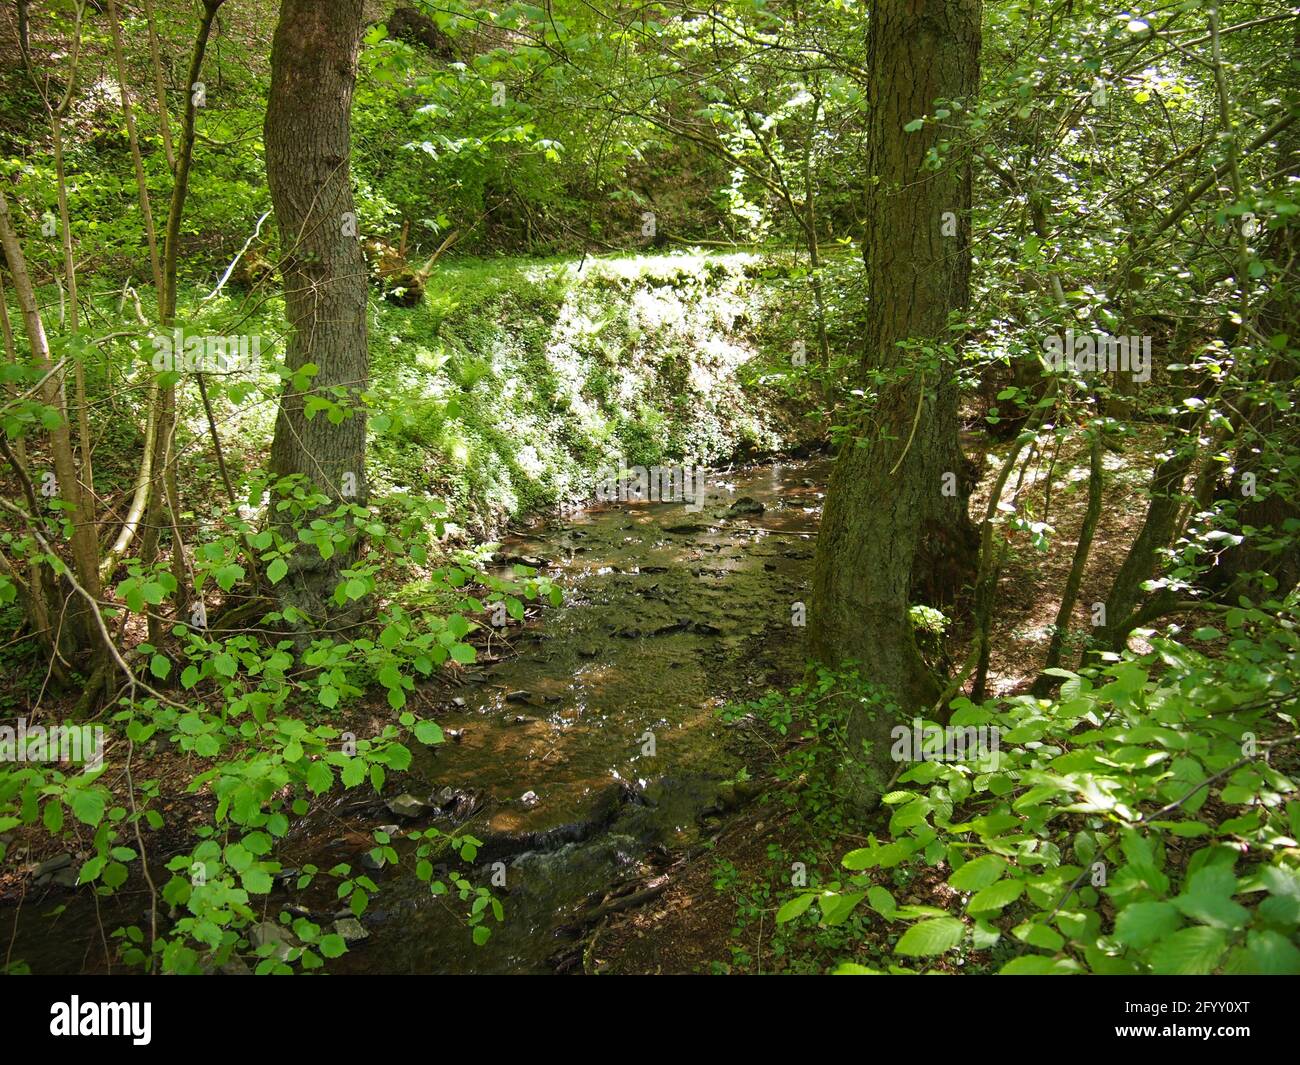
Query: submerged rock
{"points": [[745, 507], [350, 930]]}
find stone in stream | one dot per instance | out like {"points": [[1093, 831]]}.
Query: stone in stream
{"points": [[270, 932], [405, 805], [59, 861], [745, 507], [350, 930], [236, 966], [456, 803], [58, 871]]}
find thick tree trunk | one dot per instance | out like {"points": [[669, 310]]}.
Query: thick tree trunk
{"points": [[895, 520], [308, 147]]}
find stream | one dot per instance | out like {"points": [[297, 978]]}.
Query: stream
{"points": [[583, 750]]}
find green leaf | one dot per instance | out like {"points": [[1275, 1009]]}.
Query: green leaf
{"points": [[276, 571], [227, 576], [87, 805], [882, 902], [1038, 965], [996, 896], [91, 870], [1037, 934], [1191, 952], [225, 664], [353, 773], [256, 881], [837, 907], [1215, 911], [319, 777], [979, 873], [1271, 954], [930, 937], [794, 907], [333, 946], [1207, 898], [1140, 924]]}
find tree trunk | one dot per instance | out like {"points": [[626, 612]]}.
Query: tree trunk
{"points": [[1272, 550], [1045, 684], [77, 501], [308, 146], [895, 520]]}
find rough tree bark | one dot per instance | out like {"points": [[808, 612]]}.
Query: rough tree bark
{"points": [[308, 148], [889, 529]]}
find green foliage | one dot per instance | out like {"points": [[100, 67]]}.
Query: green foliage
{"points": [[1143, 822]]}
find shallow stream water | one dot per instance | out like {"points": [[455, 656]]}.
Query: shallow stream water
{"points": [[588, 745]]}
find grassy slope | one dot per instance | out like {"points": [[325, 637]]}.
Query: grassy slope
{"points": [[517, 383]]}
